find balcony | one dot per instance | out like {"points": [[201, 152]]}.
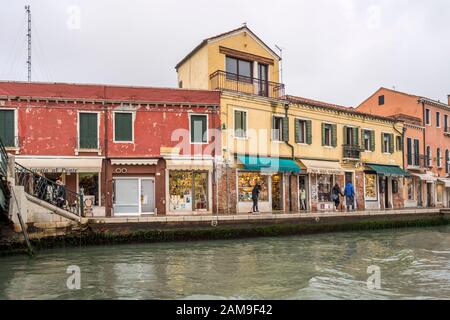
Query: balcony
{"points": [[351, 152], [221, 80], [417, 161]]}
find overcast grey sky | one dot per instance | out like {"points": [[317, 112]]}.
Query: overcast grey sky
{"points": [[338, 51]]}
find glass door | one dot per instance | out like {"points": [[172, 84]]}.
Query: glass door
{"points": [[277, 192], [263, 85], [200, 182], [147, 195]]}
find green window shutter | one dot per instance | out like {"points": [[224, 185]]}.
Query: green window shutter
{"points": [[409, 151], [334, 135], [399, 143], [391, 143], [7, 127], [88, 131], [361, 143], [323, 134], [237, 123], [372, 140], [297, 130], [123, 125], [286, 129], [345, 135], [308, 132], [355, 133]]}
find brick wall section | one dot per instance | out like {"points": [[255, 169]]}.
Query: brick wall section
{"points": [[227, 197], [294, 193], [359, 189]]}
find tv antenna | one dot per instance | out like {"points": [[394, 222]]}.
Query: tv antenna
{"points": [[28, 11]]}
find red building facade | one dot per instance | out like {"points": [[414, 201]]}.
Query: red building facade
{"points": [[133, 151]]}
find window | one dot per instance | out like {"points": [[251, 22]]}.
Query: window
{"points": [[303, 131], [438, 119], [324, 185], [367, 140], [447, 161], [246, 182], [123, 126], [381, 100], [199, 129], [240, 124], [327, 135], [7, 128], [351, 136], [416, 153], [89, 183], [370, 189], [438, 157], [188, 191], [238, 69], [388, 143], [88, 138], [446, 129], [133, 196], [428, 160], [427, 117], [439, 192], [280, 129]]}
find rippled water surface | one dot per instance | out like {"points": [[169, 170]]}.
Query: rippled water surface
{"points": [[414, 264]]}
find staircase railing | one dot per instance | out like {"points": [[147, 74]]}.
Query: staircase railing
{"points": [[37, 185], [3, 160]]}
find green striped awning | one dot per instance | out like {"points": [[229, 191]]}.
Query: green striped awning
{"points": [[388, 170], [269, 164]]}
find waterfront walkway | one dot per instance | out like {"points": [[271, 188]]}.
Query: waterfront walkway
{"points": [[269, 217]]}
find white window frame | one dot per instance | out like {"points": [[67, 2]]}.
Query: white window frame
{"points": [[272, 131], [16, 148], [439, 157], [133, 119], [246, 124], [382, 147], [370, 138], [428, 121], [207, 128], [78, 149]]}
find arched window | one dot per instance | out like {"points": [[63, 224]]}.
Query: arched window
{"points": [[428, 160], [447, 161], [438, 157]]}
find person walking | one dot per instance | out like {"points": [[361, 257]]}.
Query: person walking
{"points": [[303, 199], [349, 193], [335, 195], [255, 197]]}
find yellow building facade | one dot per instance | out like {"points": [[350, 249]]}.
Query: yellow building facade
{"points": [[296, 149]]}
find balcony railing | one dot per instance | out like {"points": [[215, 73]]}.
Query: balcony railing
{"points": [[417, 161], [87, 143], [351, 152], [221, 80]]}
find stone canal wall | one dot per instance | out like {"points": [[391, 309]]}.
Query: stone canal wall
{"points": [[125, 231]]}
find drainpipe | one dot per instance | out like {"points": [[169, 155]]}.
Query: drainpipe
{"points": [[286, 108]]}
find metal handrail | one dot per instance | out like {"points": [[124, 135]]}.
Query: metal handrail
{"points": [[235, 82], [3, 159], [37, 185]]}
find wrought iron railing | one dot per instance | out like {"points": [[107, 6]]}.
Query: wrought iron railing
{"points": [[51, 192], [351, 152], [221, 80], [3, 160]]}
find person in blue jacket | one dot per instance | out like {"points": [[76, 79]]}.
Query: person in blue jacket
{"points": [[349, 193]]}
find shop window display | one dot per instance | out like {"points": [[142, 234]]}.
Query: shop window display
{"points": [[188, 191], [370, 186], [324, 187], [89, 183], [246, 182]]}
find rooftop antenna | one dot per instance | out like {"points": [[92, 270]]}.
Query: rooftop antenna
{"points": [[28, 11], [281, 62], [393, 87]]}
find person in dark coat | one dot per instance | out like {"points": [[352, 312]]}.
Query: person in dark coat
{"points": [[255, 196], [335, 195], [60, 194]]}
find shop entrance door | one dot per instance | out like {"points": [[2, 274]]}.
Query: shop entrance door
{"points": [[387, 188], [147, 195], [277, 192], [302, 185], [419, 195]]}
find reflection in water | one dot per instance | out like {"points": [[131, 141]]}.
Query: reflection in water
{"points": [[414, 263]]}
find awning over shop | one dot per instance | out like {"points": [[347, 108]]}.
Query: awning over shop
{"points": [[268, 164], [428, 177], [134, 162], [79, 164], [189, 164], [445, 181], [388, 171], [323, 167]]}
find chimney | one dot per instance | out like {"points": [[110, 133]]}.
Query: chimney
{"points": [[448, 99]]}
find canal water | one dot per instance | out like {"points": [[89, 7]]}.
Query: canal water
{"points": [[410, 264]]}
